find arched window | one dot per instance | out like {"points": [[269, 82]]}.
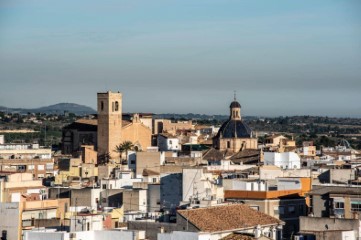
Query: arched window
{"points": [[102, 105], [116, 106]]}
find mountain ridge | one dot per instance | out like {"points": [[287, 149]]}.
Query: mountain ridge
{"points": [[58, 108]]}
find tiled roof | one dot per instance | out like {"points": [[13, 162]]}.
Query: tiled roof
{"points": [[321, 190], [234, 128], [227, 218], [125, 123], [236, 236], [148, 172], [167, 135], [246, 156], [89, 124], [87, 121], [213, 155]]}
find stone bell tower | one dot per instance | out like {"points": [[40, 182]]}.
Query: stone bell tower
{"points": [[109, 122]]}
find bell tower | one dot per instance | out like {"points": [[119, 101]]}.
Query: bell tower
{"points": [[109, 122], [235, 109]]}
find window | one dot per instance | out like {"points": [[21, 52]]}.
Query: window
{"points": [[228, 144], [281, 210], [355, 206], [291, 209], [116, 106], [104, 186], [102, 105], [339, 205]]}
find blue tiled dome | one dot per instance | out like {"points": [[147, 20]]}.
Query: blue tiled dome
{"points": [[234, 128]]}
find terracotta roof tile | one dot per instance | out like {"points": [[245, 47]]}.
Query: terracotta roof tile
{"points": [[227, 217], [213, 155], [148, 172], [235, 236]]}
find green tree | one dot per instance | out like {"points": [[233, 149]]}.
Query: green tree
{"points": [[127, 146], [103, 159], [119, 149]]}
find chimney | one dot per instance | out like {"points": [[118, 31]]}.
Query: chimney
{"points": [[258, 231]]}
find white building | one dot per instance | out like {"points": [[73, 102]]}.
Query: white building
{"points": [[122, 179], [183, 235], [88, 235], [285, 160], [168, 142], [198, 185], [244, 185], [24, 151]]}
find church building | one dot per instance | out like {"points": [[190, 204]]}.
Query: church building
{"points": [[234, 135], [109, 129]]}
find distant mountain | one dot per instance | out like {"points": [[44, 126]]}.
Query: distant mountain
{"points": [[194, 116], [54, 109]]}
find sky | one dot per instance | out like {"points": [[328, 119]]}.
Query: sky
{"points": [[183, 56]]}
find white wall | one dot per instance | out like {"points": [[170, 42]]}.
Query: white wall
{"points": [[178, 235], [168, 144], [153, 197], [9, 219], [118, 183], [289, 184], [237, 184], [143, 200], [85, 235], [285, 160]]}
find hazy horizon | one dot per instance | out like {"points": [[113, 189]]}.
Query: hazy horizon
{"points": [[283, 58]]}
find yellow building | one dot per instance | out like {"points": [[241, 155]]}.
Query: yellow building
{"points": [[108, 131]]}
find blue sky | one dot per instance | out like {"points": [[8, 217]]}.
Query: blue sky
{"points": [[282, 57]]}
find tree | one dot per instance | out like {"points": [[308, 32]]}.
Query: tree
{"points": [[103, 159], [126, 146], [119, 149]]}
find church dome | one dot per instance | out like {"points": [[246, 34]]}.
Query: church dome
{"points": [[235, 104], [234, 128]]}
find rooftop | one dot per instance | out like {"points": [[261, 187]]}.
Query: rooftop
{"points": [[227, 218]]}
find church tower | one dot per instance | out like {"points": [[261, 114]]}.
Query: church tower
{"points": [[109, 122], [235, 110]]}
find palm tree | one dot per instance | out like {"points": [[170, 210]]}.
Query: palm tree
{"points": [[119, 149], [126, 146]]}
